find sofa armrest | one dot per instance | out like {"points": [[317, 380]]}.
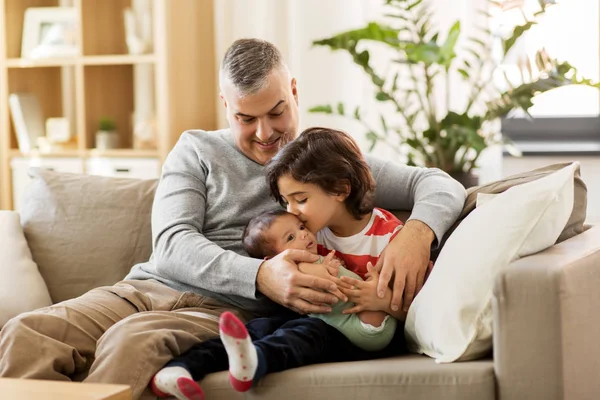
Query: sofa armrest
{"points": [[547, 324]]}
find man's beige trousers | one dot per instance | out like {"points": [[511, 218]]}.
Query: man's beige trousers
{"points": [[117, 334]]}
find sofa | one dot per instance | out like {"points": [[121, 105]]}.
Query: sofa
{"points": [[77, 232]]}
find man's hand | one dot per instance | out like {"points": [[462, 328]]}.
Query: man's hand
{"points": [[406, 258], [280, 280]]}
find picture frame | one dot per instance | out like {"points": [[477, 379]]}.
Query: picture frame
{"points": [[50, 32]]}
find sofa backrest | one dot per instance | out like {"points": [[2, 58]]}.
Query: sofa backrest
{"points": [[86, 231]]}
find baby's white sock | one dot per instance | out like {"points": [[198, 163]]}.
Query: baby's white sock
{"points": [[240, 350], [178, 382]]}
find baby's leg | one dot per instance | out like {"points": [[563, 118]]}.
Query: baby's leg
{"points": [[243, 359], [176, 381], [374, 318]]}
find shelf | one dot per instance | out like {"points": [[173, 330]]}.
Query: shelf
{"points": [[121, 153], [48, 62], [118, 59], [114, 153], [57, 153], [85, 60]]}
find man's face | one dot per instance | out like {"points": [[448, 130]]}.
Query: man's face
{"points": [[264, 122]]}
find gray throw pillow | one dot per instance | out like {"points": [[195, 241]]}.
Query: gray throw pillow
{"points": [[86, 231]]}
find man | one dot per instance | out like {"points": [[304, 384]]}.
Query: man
{"points": [[212, 184]]}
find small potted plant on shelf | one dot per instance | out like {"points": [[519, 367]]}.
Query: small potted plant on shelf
{"points": [[422, 62], [107, 137]]}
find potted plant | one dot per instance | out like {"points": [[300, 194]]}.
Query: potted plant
{"points": [[423, 63], [107, 136]]}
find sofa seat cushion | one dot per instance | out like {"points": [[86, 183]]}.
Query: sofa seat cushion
{"points": [[410, 377]]}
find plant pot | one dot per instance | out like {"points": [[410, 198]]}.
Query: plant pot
{"points": [[467, 179], [106, 140]]}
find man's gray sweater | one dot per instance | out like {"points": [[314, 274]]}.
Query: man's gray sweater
{"points": [[209, 190]]}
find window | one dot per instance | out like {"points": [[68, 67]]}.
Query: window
{"points": [[566, 119]]}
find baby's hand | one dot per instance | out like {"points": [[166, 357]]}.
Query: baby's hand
{"points": [[364, 294], [314, 269], [332, 263]]}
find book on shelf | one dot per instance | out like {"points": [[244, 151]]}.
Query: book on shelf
{"points": [[28, 119]]}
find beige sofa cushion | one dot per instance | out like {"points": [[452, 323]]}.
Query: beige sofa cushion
{"points": [[86, 231], [451, 317], [22, 288], [575, 226]]}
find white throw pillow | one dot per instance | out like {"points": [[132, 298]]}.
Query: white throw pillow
{"points": [[21, 285], [451, 319]]}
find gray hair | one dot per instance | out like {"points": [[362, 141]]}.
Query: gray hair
{"points": [[247, 64]]}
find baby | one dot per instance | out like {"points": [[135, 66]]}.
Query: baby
{"points": [[273, 232]]}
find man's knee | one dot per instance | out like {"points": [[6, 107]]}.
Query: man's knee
{"points": [[149, 332], [25, 324]]}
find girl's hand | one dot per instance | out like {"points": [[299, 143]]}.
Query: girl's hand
{"points": [[364, 294]]}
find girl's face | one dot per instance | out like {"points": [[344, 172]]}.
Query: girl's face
{"points": [[288, 232], [311, 204]]}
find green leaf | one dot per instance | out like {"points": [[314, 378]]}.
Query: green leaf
{"points": [[414, 143], [395, 82], [325, 109], [473, 53], [357, 113], [427, 53], [373, 138], [411, 160], [447, 53], [397, 16], [362, 58], [479, 42], [382, 96], [517, 33], [464, 73], [377, 81], [485, 13], [431, 134], [340, 108], [520, 97], [349, 39], [384, 125], [414, 4]]}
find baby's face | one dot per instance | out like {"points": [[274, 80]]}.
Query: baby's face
{"points": [[288, 232]]}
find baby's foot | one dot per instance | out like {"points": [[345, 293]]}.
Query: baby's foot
{"points": [[178, 382], [240, 350]]}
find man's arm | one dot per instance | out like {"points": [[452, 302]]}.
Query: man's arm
{"points": [[436, 201], [181, 252], [433, 196]]}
